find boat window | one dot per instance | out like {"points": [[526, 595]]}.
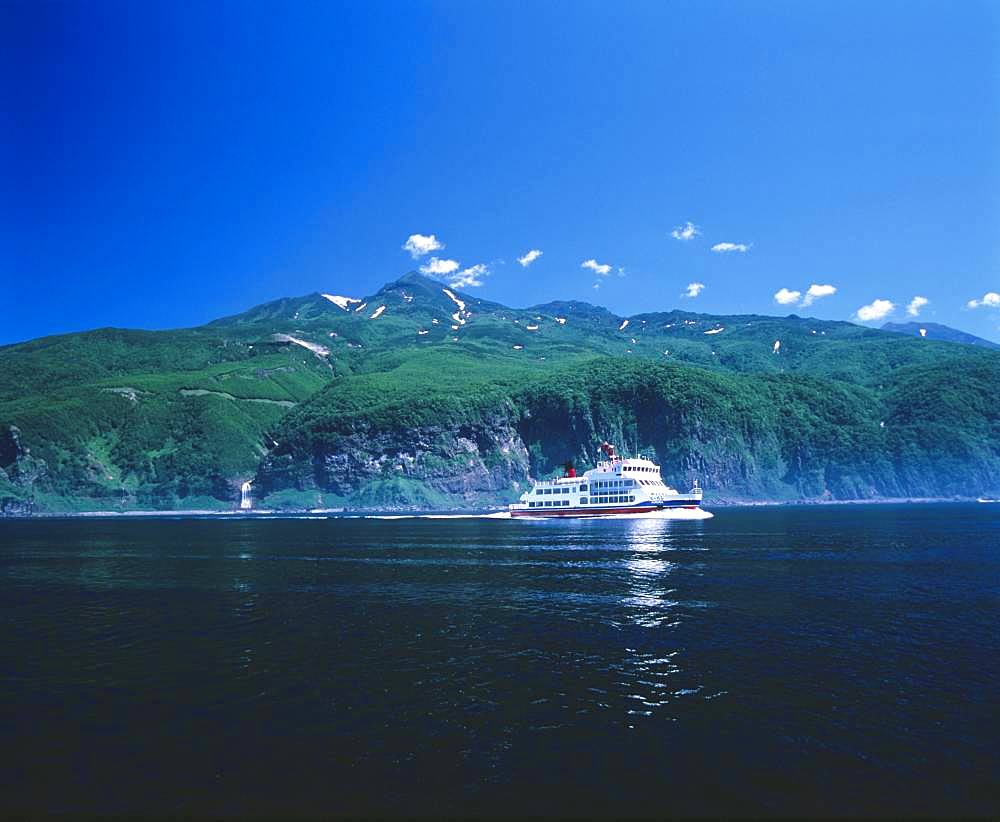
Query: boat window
{"points": [[583, 489]]}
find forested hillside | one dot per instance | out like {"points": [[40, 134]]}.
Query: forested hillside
{"points": [[424, 397]]}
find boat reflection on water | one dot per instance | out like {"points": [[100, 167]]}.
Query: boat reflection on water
{"points": [[653, 675], [650, 593]]}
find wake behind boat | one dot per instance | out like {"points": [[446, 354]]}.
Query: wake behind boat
{"points": [[616, 487]]}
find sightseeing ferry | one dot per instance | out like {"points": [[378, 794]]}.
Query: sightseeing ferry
{"points": [[617, 486]]}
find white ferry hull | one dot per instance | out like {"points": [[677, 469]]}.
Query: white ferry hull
{"points": [[644, 509], [677, 512]]}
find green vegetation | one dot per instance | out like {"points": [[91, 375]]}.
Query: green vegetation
{"points": [[431, 404]]}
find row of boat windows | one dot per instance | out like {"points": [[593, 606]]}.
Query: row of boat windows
{"points": [[625, 483], [598, 484], [564, 490], [558, 503]]}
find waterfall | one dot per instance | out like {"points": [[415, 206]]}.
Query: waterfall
{"points": [[246, 501]]}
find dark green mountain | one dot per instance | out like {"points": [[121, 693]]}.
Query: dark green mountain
{"points": [[425, 397], [936, 331]]}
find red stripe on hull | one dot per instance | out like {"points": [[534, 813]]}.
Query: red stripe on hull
{"points": [[580, 512]]}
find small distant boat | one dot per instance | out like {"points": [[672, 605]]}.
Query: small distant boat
{"points": [[984, 499], [617, 486]]}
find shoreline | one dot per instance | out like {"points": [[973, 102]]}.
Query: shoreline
{"points": [[344, 513]]}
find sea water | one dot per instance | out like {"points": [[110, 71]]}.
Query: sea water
{"points": [[828, 659]]}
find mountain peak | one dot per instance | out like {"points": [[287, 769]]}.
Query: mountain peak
{"points": [[416, 278]]}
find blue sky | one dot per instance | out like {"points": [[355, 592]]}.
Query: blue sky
{"points": [[167, 164]]}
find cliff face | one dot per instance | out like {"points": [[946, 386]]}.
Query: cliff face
{"points": [[426, 466], [19, 473]]}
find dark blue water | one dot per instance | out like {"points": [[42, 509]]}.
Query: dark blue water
{"points": [[798, 660]]}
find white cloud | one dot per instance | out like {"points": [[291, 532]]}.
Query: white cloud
{"points": [[815, 292], [438, 266], [469, 277], [596, 267], [786, 297], [990, 299], [420, 244], [876, 310], [913, 309], [694, 289], [529, 258], [726, 248], [688, 231]]}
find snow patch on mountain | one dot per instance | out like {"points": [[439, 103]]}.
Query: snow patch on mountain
{"points": [[460, 315], [316, 348], [342, 302]]}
